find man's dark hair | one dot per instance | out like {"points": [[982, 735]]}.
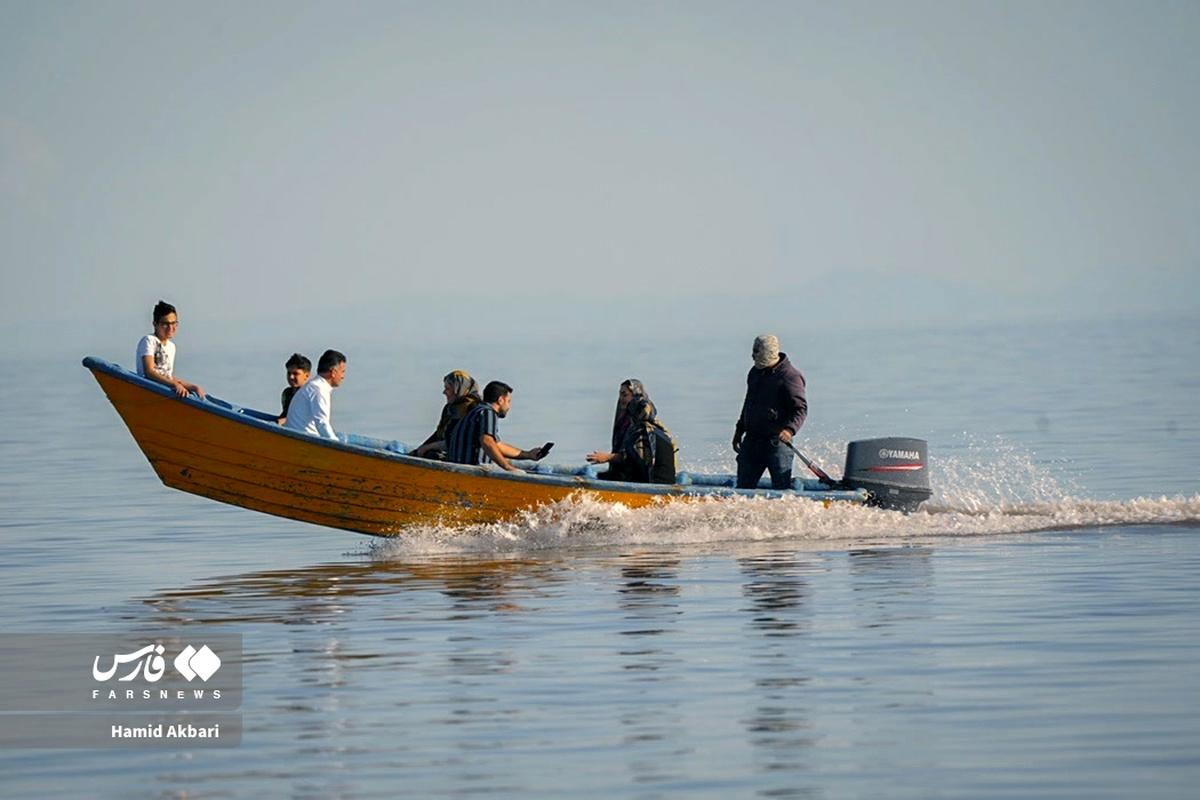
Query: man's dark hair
{"points": [[329, 360], [161, 309], [298, 361], [495, 390]]}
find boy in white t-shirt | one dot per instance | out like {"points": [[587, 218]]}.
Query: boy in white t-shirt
{"points": [[156, 352]]}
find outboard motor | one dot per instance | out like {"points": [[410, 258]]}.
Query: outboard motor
{"points": [[893, 470]]}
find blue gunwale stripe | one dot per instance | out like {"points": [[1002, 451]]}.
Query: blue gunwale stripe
{"points": [[266, 422]]}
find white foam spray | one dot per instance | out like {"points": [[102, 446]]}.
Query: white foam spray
{"points": [[583, 522], [982, 487]]}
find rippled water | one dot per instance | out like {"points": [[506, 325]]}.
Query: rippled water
{"points": [[1034, 632]]}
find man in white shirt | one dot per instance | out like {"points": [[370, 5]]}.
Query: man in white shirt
{"points": [[155, 358], [311, 408]]}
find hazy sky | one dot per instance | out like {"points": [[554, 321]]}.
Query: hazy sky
{"points": [[907, 160]]}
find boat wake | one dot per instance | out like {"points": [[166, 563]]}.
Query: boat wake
{"points": [[583, 522], [986, 488]]}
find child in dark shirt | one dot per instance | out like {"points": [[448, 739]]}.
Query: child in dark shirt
{"points": [[298, 369]]}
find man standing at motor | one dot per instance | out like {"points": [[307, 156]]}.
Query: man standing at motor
{"points": [[772, 413]]}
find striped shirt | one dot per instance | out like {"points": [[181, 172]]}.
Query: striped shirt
{"points": [[464, 446]]}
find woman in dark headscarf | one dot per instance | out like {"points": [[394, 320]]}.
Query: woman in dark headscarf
{"points": [[648, 450], [629, 428], [630, 390], [462, 394]]}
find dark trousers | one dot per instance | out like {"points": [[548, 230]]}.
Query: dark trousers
{"points": [[758, 454]]}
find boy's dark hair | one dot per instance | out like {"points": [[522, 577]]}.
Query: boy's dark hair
{"points": [[329, 360], [161, 309], [298, 361], [495, 390]]}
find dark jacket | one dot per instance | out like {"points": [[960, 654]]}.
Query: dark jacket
{"points": [[774, 400], [452, 414], [647, 451], [648, 455]]}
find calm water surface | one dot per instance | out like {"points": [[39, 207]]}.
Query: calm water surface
{"points": [[1036, 636]]}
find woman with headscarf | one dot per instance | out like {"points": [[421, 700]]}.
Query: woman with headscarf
{"points": [[643, 449], [462, 394], [629, 390]]}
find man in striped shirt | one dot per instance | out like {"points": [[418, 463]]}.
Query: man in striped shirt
{"points": [[476, 440]]}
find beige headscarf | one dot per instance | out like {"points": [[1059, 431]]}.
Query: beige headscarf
{"points": [[461, 384], [644, 417], [766, 351]]}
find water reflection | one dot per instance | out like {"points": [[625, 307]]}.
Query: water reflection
{"points": [[649, 600], [776, 592], [891, 585], [893, 600], [322, 594], [649, 597], [367, 663], [779, 727]]}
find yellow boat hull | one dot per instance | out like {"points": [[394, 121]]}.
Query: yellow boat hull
{"points": [[257, 465]]}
